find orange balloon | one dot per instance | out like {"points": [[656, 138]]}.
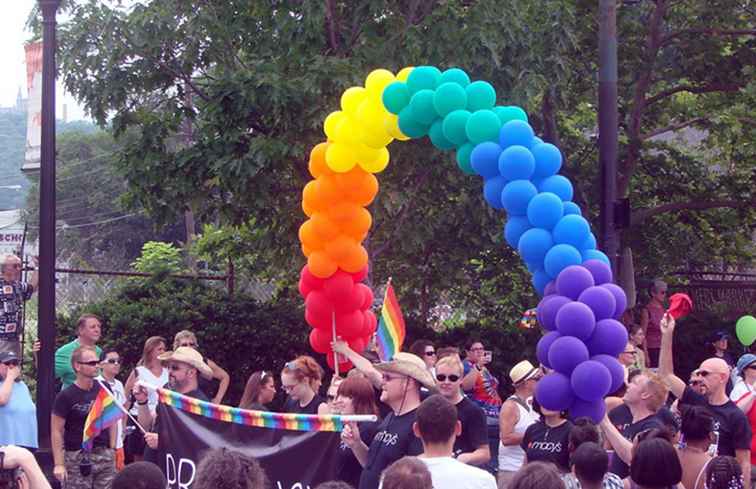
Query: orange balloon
{"points": [[317, 165], [358, 186], [340, 248], [359, 225], [324, 226], [328, 191], [321, 265], [306, 251], [344, 212], [308, 237], [310, 196], [356, 261], [309, 211]]}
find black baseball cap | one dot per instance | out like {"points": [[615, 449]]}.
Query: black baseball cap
{"points": [[8, 356]]}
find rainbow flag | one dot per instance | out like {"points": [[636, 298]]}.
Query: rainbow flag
{"points": [[104, 413], [391, 329]]}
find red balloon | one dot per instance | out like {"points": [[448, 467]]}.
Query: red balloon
{"points": [[358, 344], [317, 322], [318, 305], [349, 325], [343, 366], [312, 282], [339, 286], [351, 302], [361, 275], [367, 296], [372, 321], [320, 340]]}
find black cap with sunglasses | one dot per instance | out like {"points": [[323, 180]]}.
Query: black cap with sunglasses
{"points": [[9, 357]]}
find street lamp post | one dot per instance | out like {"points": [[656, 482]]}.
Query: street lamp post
{"points": [[46, 326]]}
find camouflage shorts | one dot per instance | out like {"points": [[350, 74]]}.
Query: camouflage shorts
{"points": [[103, 469]]}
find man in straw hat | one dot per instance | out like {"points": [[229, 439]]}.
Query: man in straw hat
{"points": [[400, 390], [185, 365], [516, 415]]}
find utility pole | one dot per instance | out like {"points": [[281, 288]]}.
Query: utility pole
{"points": [[608, 127], [46, 327]]}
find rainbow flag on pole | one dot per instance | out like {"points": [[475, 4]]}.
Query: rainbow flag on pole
{"points": [[391, 329], [104, 413]]}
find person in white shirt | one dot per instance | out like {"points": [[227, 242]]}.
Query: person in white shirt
{"points": [[110, 363], [745, 377], [437, 426]]}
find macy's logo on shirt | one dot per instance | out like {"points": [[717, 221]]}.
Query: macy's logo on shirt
{"points": [[386, 438], [545, 446]]}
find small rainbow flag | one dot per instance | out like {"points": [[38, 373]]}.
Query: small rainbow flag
{"points": [[391, 329], [104, 413]]}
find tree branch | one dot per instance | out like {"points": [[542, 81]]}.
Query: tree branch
{"points": [[331, 19], [672, 128], [711, 87], [640, 215], [710, 32]]}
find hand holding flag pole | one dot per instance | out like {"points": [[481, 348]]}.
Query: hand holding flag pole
{"points": [[335, 354]]}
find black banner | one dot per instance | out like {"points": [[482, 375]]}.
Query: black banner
{"points": [[291, 459]]}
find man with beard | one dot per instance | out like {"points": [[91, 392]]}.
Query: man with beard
{"points": [[731, 427], [185, 365]]}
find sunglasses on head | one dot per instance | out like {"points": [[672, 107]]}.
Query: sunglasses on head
{"points": [[452, 377], [91, 363]]}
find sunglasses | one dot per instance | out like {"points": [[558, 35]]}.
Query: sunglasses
{"points": [[91, 363], [11, 363], [113, 361], [430, 353], [452, 377]]}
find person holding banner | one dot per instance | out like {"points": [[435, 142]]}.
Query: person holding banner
{"points": [[259, 391], [188, 339], [297, 379], [69, 414], [355, 395], [403, 376]]}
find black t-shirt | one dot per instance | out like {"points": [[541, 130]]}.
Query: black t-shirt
{"points": [[393, 440], [621, 417], [730, 423], [73, 404], [151, 455], [292, 406], [616, 465], [348, 469], [474, 431], [547, 444]]}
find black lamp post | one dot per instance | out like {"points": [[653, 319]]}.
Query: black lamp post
{"points": [[46, 325]]}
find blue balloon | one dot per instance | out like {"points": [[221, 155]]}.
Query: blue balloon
{"points": [[547, 310], [573, 280], [572, 208], [534, 244], [557, 184], [535, 142], [548, 160], [540, 279], [550, 289], [596, 410], [576, 319], [572, 230], [542, 348], [517, 195], [455, 75], [566, 353], [595, 255], [591, 381], [602, 272], [492, 191], [516, 163], [609, 338], [554, 392], [409, 126], [600, 300], [436, 134], [560, 257], [619, 297], [589, 243], [514, 229], [516, 132], [545, 210], [615, 368], [485, 159], [534, 266]]}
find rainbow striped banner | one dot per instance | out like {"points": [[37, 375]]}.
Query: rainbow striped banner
{"points": [[391, 329], [260, 419]]}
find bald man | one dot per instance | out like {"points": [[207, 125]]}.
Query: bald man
{"points": [[730, 423]]}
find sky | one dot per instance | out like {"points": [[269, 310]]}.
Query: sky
{"points": [[12, 67]]}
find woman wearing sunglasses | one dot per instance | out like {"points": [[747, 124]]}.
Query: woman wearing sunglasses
{"points": [[18, 414], [187, 338], [471, 446], [297, 379]]}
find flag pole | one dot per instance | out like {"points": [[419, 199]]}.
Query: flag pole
{"points": [[335, 355], [115, 401]]}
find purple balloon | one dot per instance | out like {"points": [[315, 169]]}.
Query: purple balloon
{"points": [[554, 392], [600, 300], [542, 348], [595, 410], [616, 370], [591, 381], [602, 273], [576, 319], [619, 297], [550, 289], [573, 280], [566, 353], [609, 338], [547, 310]]}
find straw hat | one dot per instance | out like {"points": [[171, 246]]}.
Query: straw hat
{"points": [[522, 371], [189, 356], [410, 365]]}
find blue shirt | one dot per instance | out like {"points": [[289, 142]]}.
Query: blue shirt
{"points": [[18, 418]]}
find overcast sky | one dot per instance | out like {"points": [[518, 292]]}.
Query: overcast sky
{"points": [[13, 74]]}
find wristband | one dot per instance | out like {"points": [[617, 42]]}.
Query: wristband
{"points": [[142, 403]]}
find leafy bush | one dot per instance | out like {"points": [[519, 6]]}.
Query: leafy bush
{"points": [[158, 257]]}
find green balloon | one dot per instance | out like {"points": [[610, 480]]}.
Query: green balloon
{"points": [[421, 105], [463, 158], [455, 75], [480, 96], [454, 126], [395, 97], [448, 98], [410, 126], [423, 77], [510, 113], [483, 125], [436, 134], [745, 328]]}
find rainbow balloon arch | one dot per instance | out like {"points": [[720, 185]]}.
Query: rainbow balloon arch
{"points": [[580, 306]]}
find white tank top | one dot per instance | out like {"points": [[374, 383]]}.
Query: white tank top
{"points": [[511, 457], [146, 375]]}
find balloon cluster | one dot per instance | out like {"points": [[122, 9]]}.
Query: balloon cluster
{"points": [[450, 109], [583, 341]]}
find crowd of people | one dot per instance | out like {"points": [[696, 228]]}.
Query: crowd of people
{"points": [[441, 421]]}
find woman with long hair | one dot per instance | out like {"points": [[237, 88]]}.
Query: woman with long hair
{"points": [[355, 395], [259, 391], [189, 339], [298, 379], [547, 440]]}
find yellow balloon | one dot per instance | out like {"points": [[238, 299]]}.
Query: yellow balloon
{"points": [[352, 98], [376, 81], [376, 138], [348, 131], [340, 157], [391, 124], [404, 73], [331, 123], [366, 153], [378, 164]]}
